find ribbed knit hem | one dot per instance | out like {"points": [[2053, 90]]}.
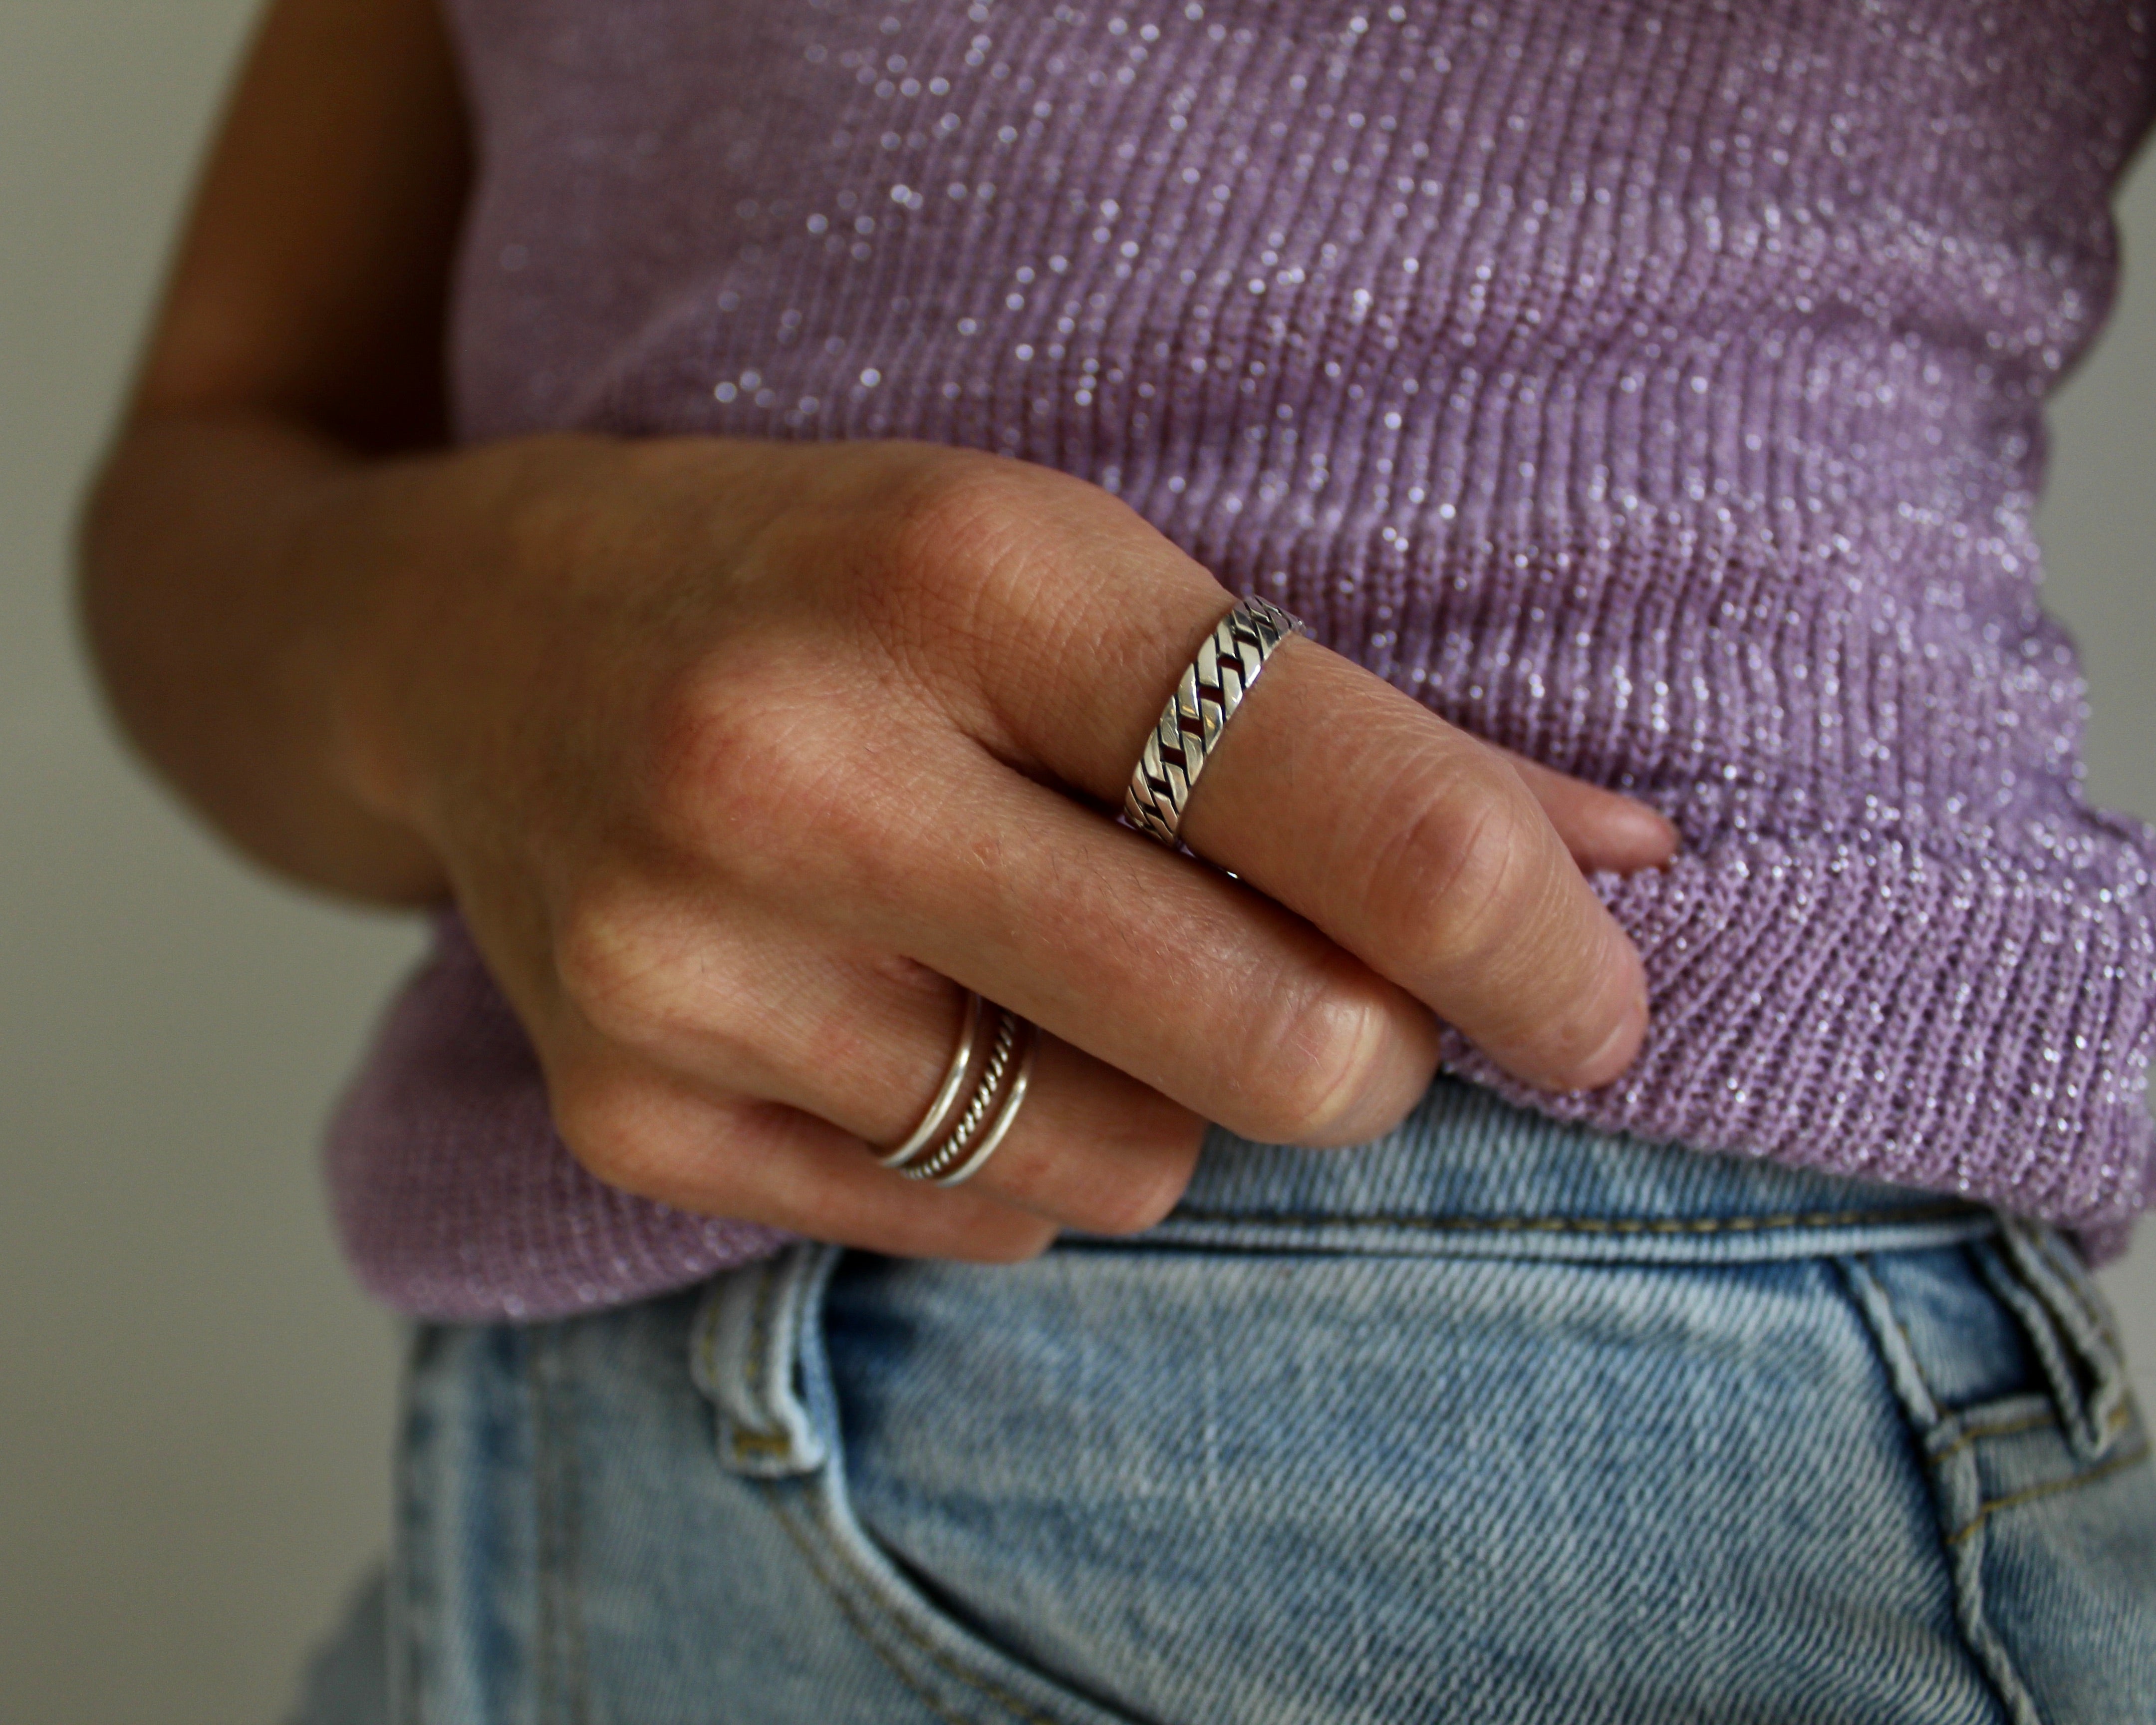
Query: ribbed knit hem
{"points": [[1885, 1015], [1882, 1014], [455, 1197]]}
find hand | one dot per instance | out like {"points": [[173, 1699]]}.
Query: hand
{"points": [[741, 757]]}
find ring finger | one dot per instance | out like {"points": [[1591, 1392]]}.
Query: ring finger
{"points": [[764, 1009]]}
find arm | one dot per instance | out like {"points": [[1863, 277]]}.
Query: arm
{"points": [[737, 756], [298, 344]]}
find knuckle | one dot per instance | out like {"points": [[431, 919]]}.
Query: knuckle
{"points": [[1139, 1201], [769, 781], [954, 515], [1458, 875], [1316, 1057], [985, 584], [617, 962], [610, 1135], [964, 561], [730, 745]]}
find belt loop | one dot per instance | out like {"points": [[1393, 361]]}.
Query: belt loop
{"points": [[2033, 1270], [747, 1353]]}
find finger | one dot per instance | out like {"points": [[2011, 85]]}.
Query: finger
{"points": [[1410, 843], [736, 1004], [1601, 828], [1090, 1148], [870, 820], [1419, 847], [1189, 982], [645, 1132]]}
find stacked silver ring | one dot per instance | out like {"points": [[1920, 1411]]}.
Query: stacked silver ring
{"points": [[1213, 686], [978, 1100]]}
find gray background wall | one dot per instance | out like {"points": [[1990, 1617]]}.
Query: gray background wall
{"points": [[195, 1407]]}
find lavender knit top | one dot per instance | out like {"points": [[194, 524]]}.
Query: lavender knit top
{"points": [[1653, 386]]}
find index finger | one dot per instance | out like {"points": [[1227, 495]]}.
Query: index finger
{"points": [[1410, 843], [1420, 848]]}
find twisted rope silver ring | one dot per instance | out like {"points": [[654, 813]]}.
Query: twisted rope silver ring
{"points": [[1213, 686], [967, 1123]]}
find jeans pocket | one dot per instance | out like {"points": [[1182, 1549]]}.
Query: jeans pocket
{"points": [[2006, 1361], [757, 1352]]}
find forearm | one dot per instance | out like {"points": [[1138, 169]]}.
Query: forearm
{"points": [[215, 595], [296, 356]]}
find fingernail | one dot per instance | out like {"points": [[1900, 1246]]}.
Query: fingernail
{"points": [[1651, 834]]}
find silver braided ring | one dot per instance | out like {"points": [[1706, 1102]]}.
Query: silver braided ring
{"points": [[966, 1123], [1213, 686]]}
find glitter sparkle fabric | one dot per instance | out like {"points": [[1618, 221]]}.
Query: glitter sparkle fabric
{"points": [[1655, 388]]}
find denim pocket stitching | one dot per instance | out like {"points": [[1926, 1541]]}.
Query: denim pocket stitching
{"points": [[742, 1339], [2050, 1488], [1947, 1439], [755, 1371], [1623, 1226], [2084, 1370], [784, 1334], [834, 1542], [2073, 1276], [742, 1440], [1948, 1474], [1974, 1433], [855, 1617], [561, 1680]]}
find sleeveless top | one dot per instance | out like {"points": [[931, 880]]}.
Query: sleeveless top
{"points": [[1653, 387]]}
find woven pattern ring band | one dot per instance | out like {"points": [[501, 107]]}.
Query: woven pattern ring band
{"points": [[968, 1121], [1212, 687]]}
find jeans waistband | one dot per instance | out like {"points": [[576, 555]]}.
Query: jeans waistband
{"points": [[1470, 1173]]}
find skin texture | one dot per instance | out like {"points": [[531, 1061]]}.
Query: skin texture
{"points": [[742, 757]]}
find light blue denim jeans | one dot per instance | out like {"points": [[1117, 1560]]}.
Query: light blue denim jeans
{"points": [[1496, 1419]]}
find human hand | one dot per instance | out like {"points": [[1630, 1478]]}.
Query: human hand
{"points": [[743, 757]]}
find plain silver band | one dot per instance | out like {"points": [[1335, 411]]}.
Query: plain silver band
{"points": [[1212, 687], [947, 1096], [1001, 1125]]}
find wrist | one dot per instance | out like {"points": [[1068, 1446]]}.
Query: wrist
{"points": [[458, 580]]}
